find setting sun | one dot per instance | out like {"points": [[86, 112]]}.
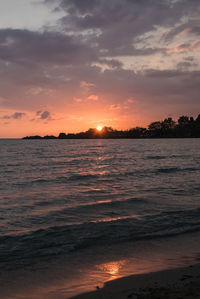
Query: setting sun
{"points": [[99, 128]]}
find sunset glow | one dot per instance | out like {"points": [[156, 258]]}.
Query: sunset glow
{"points": [[99, 128], [68, 68]]}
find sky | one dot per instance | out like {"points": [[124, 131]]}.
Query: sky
{"points": [[71, 65]]}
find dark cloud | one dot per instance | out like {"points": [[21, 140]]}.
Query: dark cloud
{"points": [[190, 27], [185, 65], [16, 115], [29, 48], [49, 67], [112, 63], [119, 22], [173, 32], [94, 30], [195, 29], [189, 58], [163, 73], [38, 112], [43, 114]]}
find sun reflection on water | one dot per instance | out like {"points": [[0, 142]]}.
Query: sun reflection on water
{"points": [[112, 268]]}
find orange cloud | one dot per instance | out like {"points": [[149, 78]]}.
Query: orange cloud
{"points": [[78, 100], [115, 107], [93, 97], [185, 48], [130, 101]]}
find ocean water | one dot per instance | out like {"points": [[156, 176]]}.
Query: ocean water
{"points": [[62, 197]]}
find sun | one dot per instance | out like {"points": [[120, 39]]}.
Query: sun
{"points": [[99, 128]]}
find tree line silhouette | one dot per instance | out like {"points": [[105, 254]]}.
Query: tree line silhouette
{"points": [[185, 127]]}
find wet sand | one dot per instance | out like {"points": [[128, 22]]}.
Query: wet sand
{"points": [[177, 283], [130, 270]]}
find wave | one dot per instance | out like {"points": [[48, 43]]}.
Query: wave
{"points": [[102, 176], [96, 207], [161, 157], [174, 169], [67, 238], [156, 157]]}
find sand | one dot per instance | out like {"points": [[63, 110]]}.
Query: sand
{"points": [[176, 283]]}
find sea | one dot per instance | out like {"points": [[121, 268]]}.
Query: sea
{"points": [[77, 213]]}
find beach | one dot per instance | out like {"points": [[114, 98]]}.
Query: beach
{"points": [[177, 283], [163, 268]]}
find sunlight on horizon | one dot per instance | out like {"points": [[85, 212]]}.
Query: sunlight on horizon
{"points": [[99, 128]]}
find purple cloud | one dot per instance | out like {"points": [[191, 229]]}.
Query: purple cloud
{"points": [[122, 48], [43, 114], [16, 115]]}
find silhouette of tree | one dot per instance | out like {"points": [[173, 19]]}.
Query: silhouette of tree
{"points": [[183, 120], [49, 137], [62, 136], [168, 124], [156, 125], [198, 119], [167, 127], [155, 129], [197, 127], [186, 127], [137, 132]]}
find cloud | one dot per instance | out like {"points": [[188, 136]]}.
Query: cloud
{"points": [[102, 53], [76, 118], [185, 47], [78, 100], [195, 29], [185, 65], [190, 27], [163, 74], [43, 114], [16, 115], [114, 25], [130, 101], [93, 97], [171, 33], [115, 107], [38, 112], [30, 48], [189, 58]]}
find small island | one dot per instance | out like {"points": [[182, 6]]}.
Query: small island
{"points": [[185, 127]]}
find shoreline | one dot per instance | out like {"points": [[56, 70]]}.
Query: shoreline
{"points": [[118, 274], [183, 282]]}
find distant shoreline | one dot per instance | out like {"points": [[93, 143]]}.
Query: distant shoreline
{"points": [[56, 138], [185, 127]]}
